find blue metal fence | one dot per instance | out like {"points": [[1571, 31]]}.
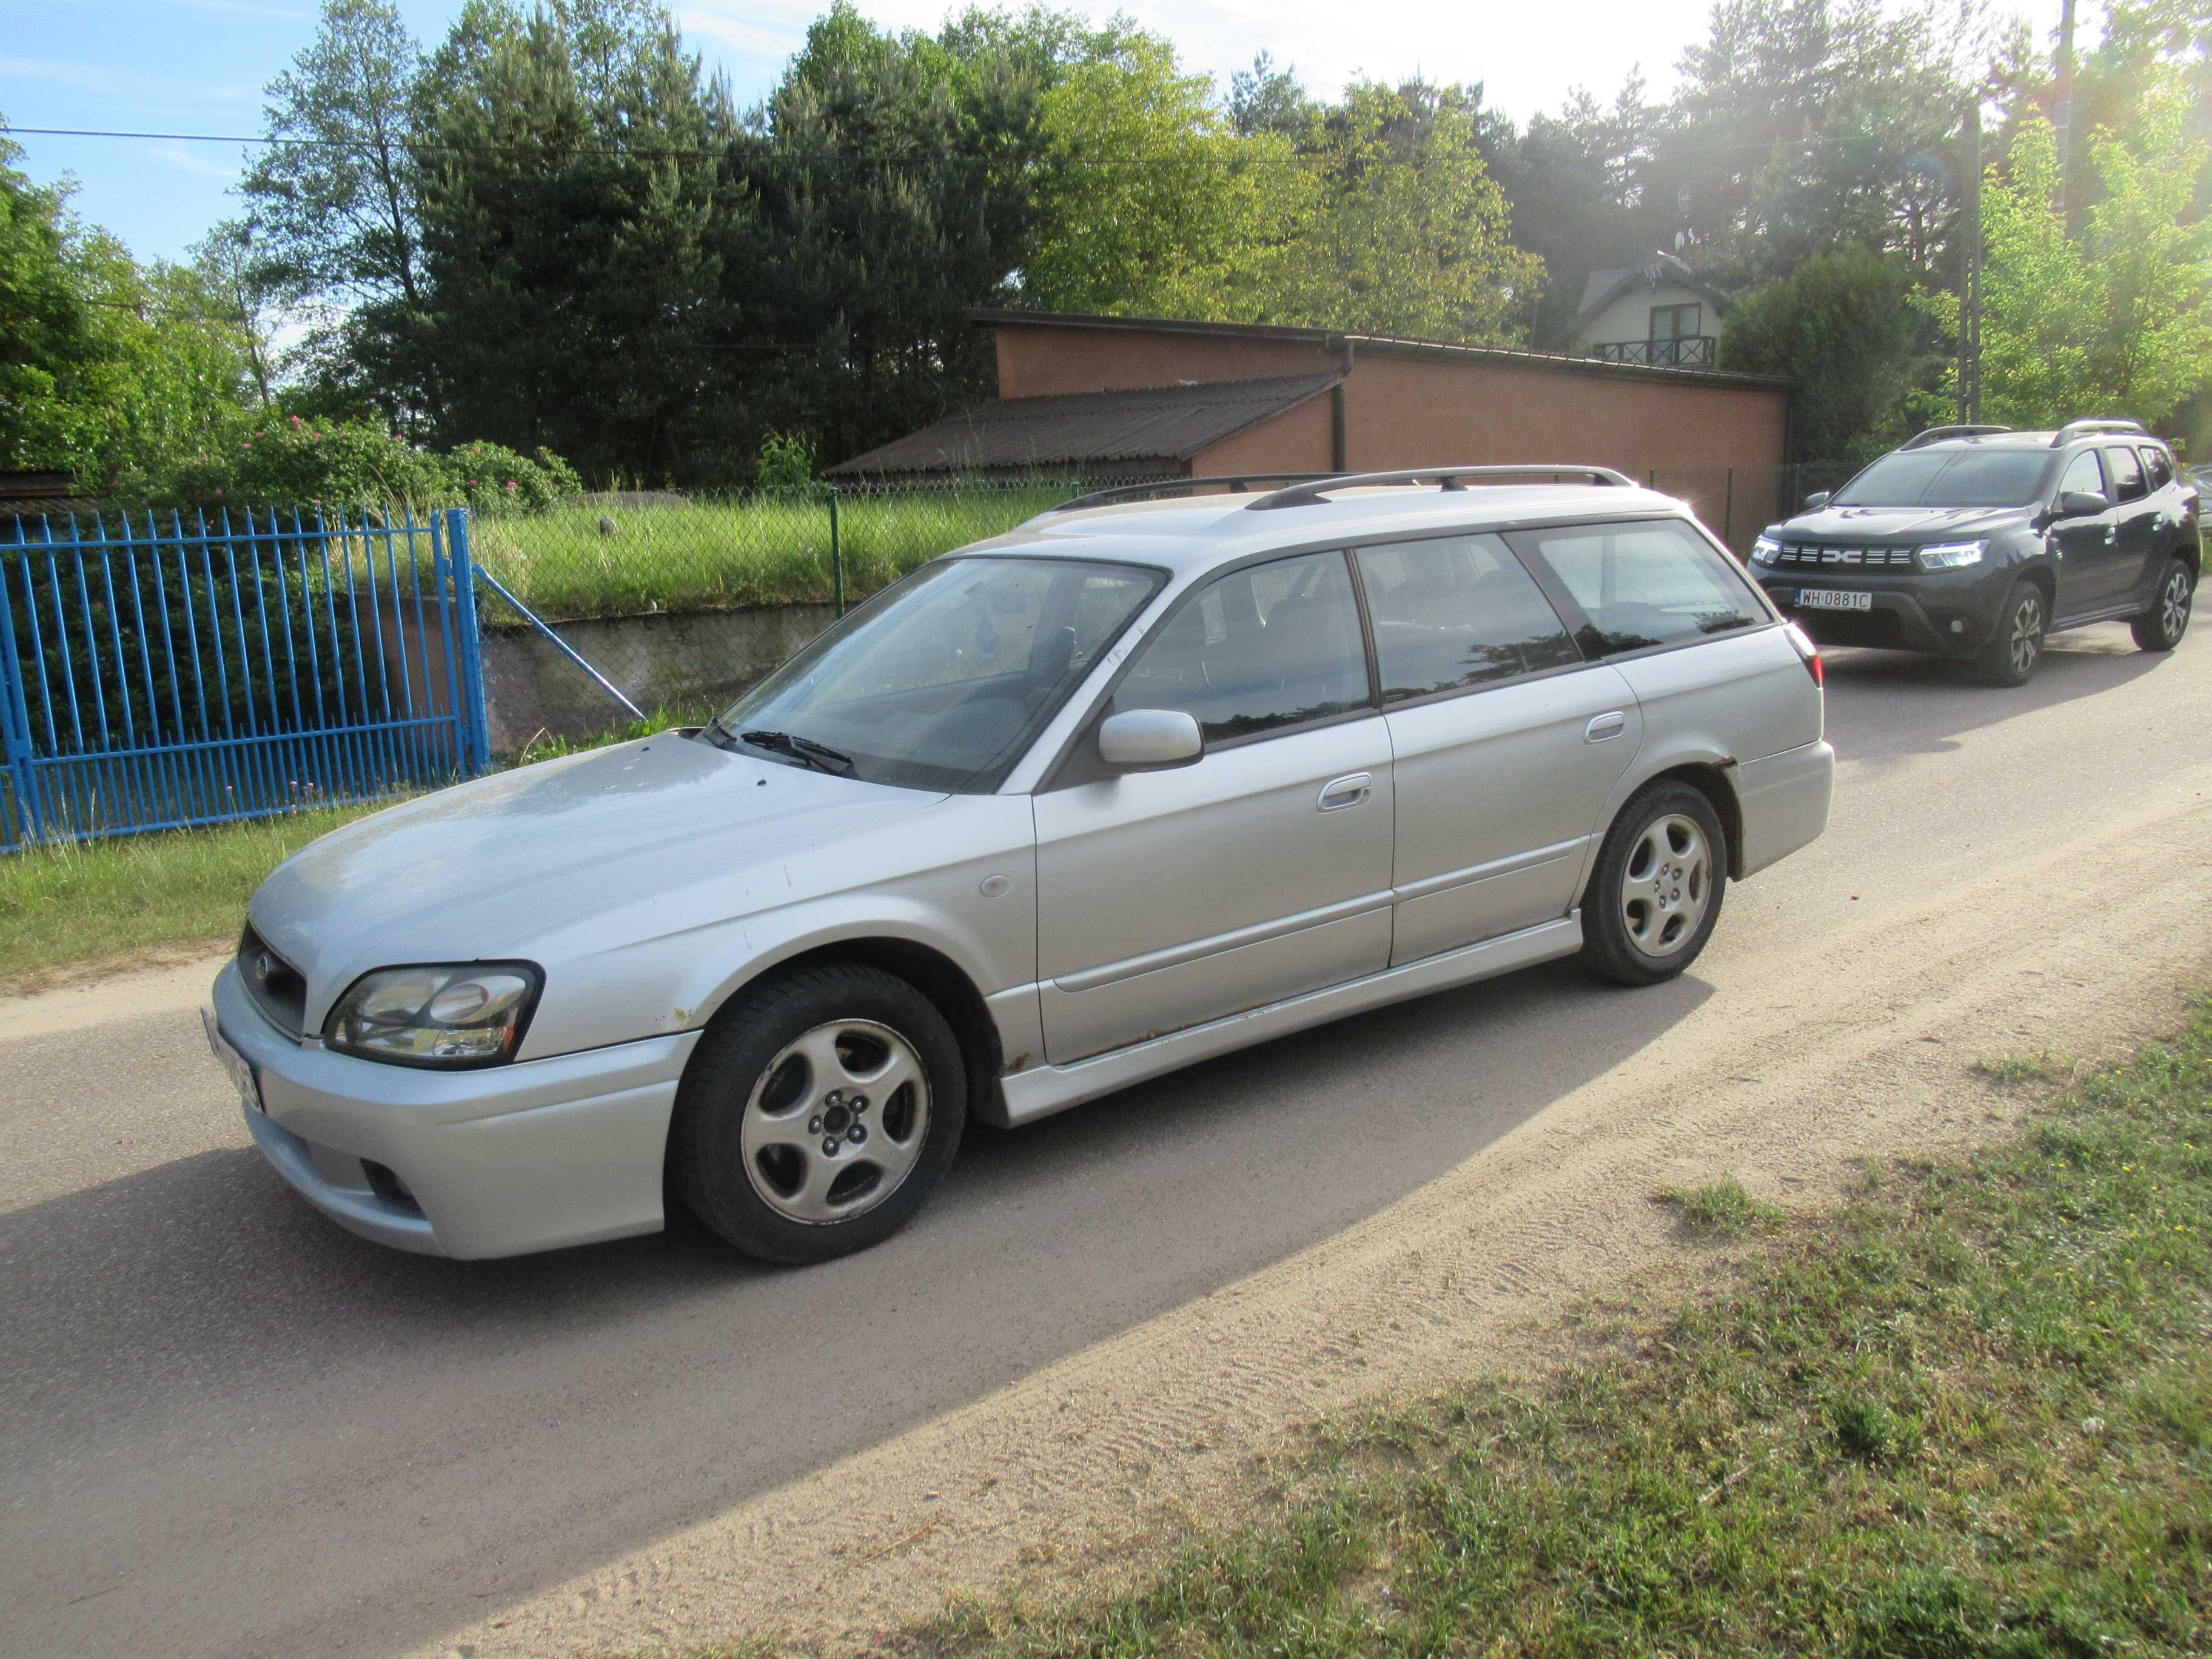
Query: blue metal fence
{"points": [[153, 676]]}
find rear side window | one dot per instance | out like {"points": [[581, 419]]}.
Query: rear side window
{"points": [[2127, 475], [1455, 613], [1641, 585], [2085, 473], [2160, 469], [1275, 645]]}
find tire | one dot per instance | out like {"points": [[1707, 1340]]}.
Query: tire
{"points": [[1656, 893], [2160, 628], [777, 1078], [2016, 646]]}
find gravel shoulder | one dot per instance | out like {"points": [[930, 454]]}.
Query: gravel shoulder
{"points": [[1863, 1042]]}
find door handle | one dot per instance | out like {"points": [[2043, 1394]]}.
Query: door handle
{"points": [[1605, 727], [1348, 791]]}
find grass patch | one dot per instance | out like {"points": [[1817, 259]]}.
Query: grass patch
{"points": [[1966, 1415], [1720, 1208], [2014, 1068], [73, 903]]}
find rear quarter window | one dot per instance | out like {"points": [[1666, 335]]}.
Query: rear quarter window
{"points": [[1644, 584], [2160, 468]]}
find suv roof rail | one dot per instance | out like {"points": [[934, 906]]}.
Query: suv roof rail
{"points": [[2073, 430], [1235, 484], [1935, 435], [1313, 493]]}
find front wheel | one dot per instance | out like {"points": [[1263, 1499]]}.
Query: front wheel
{"points": [[817, 1112], [2160, 628], [1657, 891], [2017, 645]]}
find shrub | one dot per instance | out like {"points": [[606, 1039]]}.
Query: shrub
{"points": [[293, 461], [492, 478]]}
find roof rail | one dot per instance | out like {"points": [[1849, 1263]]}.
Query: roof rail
{"points": [[1449, 478], [1234, 483], [1935, 435], [2073, 430]]}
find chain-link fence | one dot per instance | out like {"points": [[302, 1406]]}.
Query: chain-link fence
{"points": [[672, 605]]}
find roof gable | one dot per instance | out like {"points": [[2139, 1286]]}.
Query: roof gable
{"points": [[1604, 287]]}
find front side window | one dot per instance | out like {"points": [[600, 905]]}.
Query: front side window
{"points": [[1948, 477], [1273, 646], [2127, 474], [1644, 583], [2085, 473], [939, 682], [1457, 613]]}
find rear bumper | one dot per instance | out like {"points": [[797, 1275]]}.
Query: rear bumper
{"points": [[1783, 800], [568, 1150]]}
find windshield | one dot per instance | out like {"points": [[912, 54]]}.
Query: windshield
{"points": [[939, 682], [1948, 477]]}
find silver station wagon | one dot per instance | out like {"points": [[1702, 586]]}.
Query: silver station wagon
{"points": [[1141, 782]]}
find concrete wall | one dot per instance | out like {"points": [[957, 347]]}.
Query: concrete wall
{"points": [[694, 661], [1629, 318]]}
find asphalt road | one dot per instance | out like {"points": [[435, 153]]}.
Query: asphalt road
{"points": [[228, 1428]]}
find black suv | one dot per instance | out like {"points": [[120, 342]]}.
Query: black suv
{"points": [[1973, 541]]}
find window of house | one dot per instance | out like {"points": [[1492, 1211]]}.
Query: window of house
{"points": [[1455, 613], [1657, 582], [1677, 322]]}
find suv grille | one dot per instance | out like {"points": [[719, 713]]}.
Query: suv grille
{"points": [[1802, 554], [278, 988]]}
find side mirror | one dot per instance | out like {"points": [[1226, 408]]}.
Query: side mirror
{"points": [[2081, 503], [1150, 739], [1816, 501]]}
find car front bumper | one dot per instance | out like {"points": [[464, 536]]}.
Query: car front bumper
{"points": [[567, 1150], [1940, 613]]}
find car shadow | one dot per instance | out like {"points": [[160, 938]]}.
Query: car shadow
{"points": [[199, 1306]]}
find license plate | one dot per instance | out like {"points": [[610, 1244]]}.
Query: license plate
{"points": [[240, 1069], [1833, 598]]}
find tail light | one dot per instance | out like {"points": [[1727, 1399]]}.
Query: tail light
{"points": [[1808, 651]]}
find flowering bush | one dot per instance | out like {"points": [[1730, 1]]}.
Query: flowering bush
{"points": [[492, 478]]}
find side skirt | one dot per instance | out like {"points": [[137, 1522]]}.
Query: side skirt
{"points": [[1042, 1090]]}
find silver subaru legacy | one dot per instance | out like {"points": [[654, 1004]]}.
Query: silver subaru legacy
{"points": [[1141, 782]]}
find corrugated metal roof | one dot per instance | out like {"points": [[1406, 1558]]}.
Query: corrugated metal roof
{"points": [[1154, 423]]}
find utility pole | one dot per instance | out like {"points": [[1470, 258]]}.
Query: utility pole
{"points": [[2061, 114], [1969, 272]]}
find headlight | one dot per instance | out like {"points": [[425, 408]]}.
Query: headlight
{"points": [[469, 1014], [1951, 556], [1765, 550]]}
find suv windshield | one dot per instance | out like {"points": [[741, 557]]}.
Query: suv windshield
{"points": [[939, 682], [1953, 477]]}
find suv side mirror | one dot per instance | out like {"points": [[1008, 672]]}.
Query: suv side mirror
{"points": [[1816, 501], [2081, 503], [1150, 739]]}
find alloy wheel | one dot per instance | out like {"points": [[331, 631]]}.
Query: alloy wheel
{"points": [[2173, 602], [2025, 643], [1666, 885], [835, 1121]]}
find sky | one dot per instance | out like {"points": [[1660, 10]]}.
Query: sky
{"points": [[198, 66]]}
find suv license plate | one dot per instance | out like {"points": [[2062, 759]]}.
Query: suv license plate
{"points": [[1833, 598], [240, 1069]]}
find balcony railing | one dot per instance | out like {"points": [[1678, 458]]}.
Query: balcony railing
{"points": [[1689, 350]]}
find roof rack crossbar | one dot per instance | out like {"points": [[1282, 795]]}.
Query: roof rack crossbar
{"points": [[1310, 494], [1938, 434], [1235, 484], [2073, 429]]}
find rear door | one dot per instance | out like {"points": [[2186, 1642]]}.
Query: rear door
{"points": [[1166, 899], [2135, 515], [1506, 740]]}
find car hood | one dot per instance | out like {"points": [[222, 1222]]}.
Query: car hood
{"points": [[1900, 523], [475, 872]]}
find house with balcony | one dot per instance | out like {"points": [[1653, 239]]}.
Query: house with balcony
{"points": [[1658, 313]]}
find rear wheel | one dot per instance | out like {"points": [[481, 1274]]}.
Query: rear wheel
{"points": [[2160, 628], [818, 1113], [1656, 893], [2016, 647]]}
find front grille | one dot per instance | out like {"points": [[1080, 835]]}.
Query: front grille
{"points": [[1803, 555], [277, 989]]}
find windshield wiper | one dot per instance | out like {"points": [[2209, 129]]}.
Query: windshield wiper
{"points": [[819, 756]]}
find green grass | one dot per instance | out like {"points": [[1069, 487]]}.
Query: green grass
{"points": [[72, 904], [716, 555], [1968, 1415], [1722, 1208]]}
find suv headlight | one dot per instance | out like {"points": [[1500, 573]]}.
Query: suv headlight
{"points": [[1951, 556], [467, 1014], [1765, 550]]}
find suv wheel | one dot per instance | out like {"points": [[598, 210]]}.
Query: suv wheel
{"points": [[2016, 647], [1656, 893], [817, 1113], [2160, 628]]}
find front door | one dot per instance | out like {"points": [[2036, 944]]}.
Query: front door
{"points": [[1166, 899], [2088, 544]]}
